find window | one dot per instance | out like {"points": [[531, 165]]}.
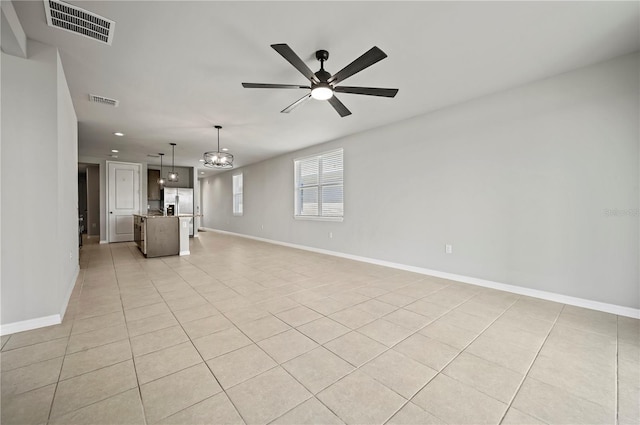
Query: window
{"points": [[319, 186], [237, 194]]}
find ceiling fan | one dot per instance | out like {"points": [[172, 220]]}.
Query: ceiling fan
{"points": [[324, 85]]}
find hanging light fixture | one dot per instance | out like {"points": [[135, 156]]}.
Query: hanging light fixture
{"points": [[161, 180], [218, 159], [173, 176]]}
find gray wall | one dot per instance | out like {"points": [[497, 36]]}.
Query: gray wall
{"points": [[40, 207], [522, 184], [67, 170]]}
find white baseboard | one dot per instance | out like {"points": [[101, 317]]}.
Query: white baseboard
{"points": [[41, 322], [520, 290], [27, 325], [104, 242], [185, 252], [70, 286]]}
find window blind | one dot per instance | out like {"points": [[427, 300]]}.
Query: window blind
{"points": [[319, 186], [237, 195]]}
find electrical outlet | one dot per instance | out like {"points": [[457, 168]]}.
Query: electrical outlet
{"points": [[262, 227], [448, 249], [330, 235], [71, 255]]}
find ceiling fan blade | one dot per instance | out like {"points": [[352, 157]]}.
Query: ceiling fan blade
{"points": [[369, 91], [295, 60], [339, 106], [297, 103], [273, 86], [372, 56]]}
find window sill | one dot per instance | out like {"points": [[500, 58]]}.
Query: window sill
{"points": [[315, 218]]}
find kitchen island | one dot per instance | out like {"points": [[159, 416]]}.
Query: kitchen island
{"points": [[162, 235], [156, 235]]}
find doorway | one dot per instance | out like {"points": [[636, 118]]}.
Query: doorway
{"points": [[89, 212], [82, 199]]}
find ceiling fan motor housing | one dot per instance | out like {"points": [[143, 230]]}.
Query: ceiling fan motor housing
{"points": [[323, 76]]}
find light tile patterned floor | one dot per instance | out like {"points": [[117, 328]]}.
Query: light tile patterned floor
{"points": [[247, 332]]}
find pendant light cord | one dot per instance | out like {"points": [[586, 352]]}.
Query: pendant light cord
{"points": [[173, 152], [218, 127]]}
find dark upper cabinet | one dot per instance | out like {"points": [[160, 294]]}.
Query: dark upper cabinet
{"points": [[153, 188]]}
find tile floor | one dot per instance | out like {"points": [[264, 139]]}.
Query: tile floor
{"points": [[246, 332]]}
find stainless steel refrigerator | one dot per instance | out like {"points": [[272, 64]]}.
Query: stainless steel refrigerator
{"points": [[182, 201]]}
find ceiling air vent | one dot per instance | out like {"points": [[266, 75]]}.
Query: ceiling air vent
{"points": [[74, 19], [103, 100]]}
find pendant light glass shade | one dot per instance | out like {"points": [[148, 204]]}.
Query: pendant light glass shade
{"points": [[218, 159], [173, 176], [161, 180]]}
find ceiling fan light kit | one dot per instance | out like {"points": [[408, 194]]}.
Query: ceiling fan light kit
{"points": [[323, 85], [218, 159], [322, 92]]}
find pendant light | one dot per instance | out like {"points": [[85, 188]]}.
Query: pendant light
{"points": [[173, 176], [218, 159], [161, 180]]}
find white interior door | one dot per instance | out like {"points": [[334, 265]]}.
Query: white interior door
{"points": [[124, 199]]}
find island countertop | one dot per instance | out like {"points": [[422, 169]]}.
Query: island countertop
{"points": [[153, 216], [168, 216]]}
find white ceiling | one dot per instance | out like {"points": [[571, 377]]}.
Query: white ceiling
{"points": [[177, 67]]}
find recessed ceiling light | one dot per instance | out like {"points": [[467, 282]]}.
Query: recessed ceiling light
{"points": [[201, 160], [113, 156], [117, 133], [201, 172], [115, 150], [225, 149]]}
